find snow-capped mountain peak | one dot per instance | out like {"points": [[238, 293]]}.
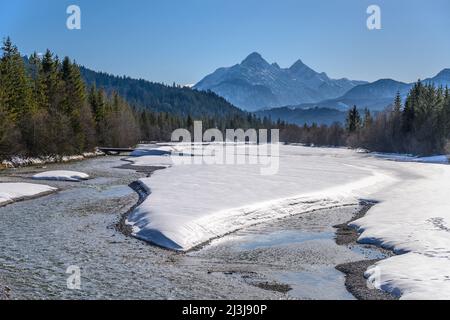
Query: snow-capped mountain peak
{"points": [[256, 84]]}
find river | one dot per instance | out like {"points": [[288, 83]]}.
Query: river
{"points": [[40, 238]]}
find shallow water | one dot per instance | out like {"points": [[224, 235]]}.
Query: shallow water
{"points": [[283, 237], [324, 283], [41, 238]]}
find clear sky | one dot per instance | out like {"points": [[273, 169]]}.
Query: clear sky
{"points": [[183, 40]]}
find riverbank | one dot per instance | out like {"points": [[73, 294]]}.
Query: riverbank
{"points": [[18, 162], [355, 281]]}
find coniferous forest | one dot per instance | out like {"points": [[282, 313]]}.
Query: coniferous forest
{"points": [[420, 126], [50, 106]]}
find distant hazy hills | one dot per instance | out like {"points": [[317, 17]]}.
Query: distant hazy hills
{"points": [[375, 96], [255, 84], [301, 116], [298, 94]]}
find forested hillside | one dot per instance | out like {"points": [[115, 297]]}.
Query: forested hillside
{"points": [[158, 97]]}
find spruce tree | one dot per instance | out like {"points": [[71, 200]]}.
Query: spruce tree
{"points": [[397, 103], [74, 104], [409, 114], [16, 83], [353, 121]]}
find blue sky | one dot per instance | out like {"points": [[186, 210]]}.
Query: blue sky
{"points": [[183, 40]]}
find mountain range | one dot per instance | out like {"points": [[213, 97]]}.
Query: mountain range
{"points": [[256, 84]]}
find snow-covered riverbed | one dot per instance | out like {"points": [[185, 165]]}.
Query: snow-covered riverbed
{"points": [[42, 237], [191, 204]]}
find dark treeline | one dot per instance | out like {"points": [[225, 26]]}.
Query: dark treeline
{"points": [[320, 135], [421, 126], [47, 109]]}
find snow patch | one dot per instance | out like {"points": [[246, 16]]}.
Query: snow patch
{"points": [[10, 192], [61, 175]]}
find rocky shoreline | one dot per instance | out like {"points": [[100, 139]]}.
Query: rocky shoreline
{"points": [[18, 162], [355, 281]]}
